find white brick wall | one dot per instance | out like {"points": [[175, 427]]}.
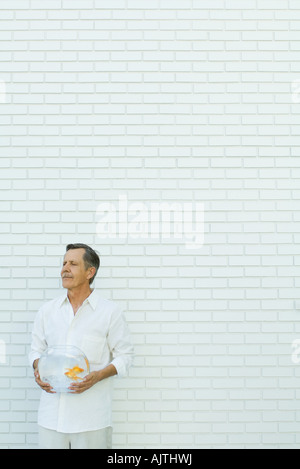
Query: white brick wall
{"points": [[161, 100]]}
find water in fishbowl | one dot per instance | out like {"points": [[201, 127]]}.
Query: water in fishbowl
{"points": [[61, 366]]}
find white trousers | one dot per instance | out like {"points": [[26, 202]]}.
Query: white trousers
{"points": [[99, 439]]}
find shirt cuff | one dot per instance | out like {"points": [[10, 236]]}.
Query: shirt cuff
{"points": [[119, 364]]}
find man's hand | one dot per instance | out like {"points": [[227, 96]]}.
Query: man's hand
{"points": [[91, 379], [45, 386]]}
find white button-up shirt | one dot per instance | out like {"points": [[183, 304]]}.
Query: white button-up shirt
{"points": [[100, 331]]}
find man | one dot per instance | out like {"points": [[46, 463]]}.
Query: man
{"points": [[82, 418]]}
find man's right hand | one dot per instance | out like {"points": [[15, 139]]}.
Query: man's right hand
{"points": [[44, 386]]}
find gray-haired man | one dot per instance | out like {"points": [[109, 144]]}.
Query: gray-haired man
{"points": [[81, 419]]}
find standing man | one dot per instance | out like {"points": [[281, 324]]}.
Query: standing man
{"points": [[82, 418]]}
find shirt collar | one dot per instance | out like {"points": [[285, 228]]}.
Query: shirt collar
{"points": [[92, 299]]}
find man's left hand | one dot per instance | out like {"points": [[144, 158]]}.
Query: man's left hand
{"points": [[89, 381], [93, 378]]}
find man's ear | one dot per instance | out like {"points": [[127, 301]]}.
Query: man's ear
{"points": [[91, 272]]}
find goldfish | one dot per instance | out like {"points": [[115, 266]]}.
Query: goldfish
{"points": [[73, 372]]}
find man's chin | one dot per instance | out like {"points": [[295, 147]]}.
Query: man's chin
{"points": [[67, 282]]}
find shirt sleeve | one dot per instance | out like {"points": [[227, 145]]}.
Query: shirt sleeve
{"points": [[120, 344], [38, 340]]}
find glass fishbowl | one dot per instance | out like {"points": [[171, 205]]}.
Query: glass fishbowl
{"points": [[60, 366]]}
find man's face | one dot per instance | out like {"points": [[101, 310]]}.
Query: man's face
{"points": [[73, 272]]}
